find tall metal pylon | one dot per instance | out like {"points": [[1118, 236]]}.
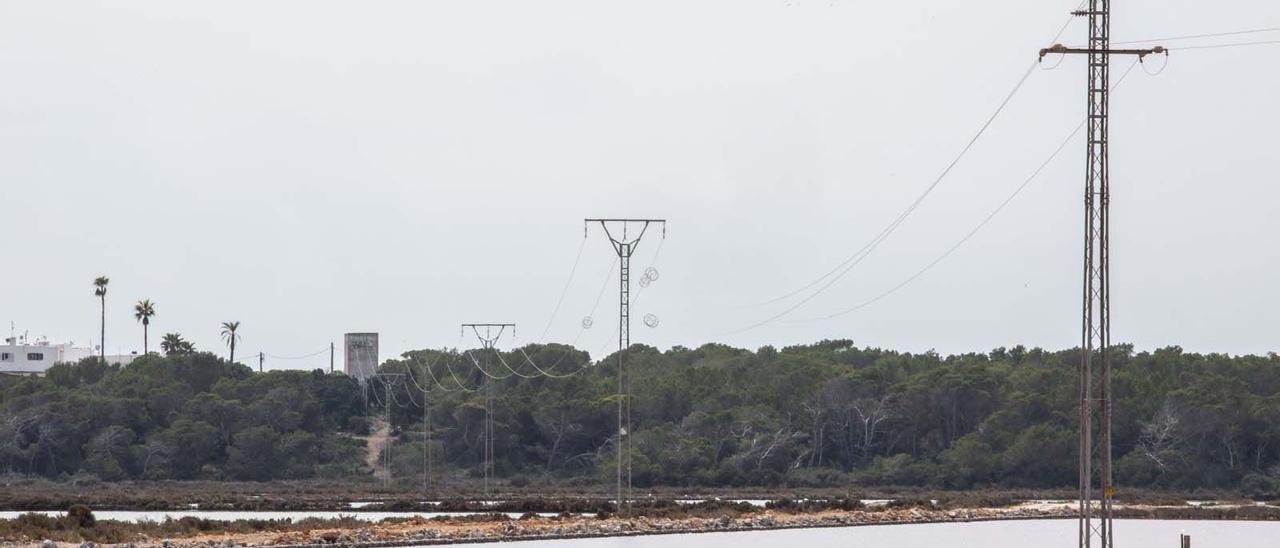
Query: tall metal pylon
{"points": [[488, 340], [388, 381], [1095, 525], [624, 246]]}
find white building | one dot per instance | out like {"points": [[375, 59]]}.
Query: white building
{"points": [[22, 357], [19, 356]]}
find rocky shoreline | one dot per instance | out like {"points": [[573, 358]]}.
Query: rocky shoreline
{"points": [[428, 532]]}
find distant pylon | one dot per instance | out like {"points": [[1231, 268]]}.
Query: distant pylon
{"points": [[488, 340], [624, 246]]}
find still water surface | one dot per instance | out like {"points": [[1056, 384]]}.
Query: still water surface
{"points": [[233, 515], [1008, 534]]}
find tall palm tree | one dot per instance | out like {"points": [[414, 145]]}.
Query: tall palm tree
{"points": [[143, 311], [229, 335], [100, 291]]}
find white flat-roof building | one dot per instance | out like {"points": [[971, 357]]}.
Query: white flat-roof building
{"points": [[19, 356]]}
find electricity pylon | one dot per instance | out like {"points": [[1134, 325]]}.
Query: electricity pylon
{"points": [[624, 246], [1095, 527], [388, 380], [488, 340]]}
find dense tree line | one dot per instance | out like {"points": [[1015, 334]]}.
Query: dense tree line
{"points": [[834, 414], [183, 416], [827, 414]]}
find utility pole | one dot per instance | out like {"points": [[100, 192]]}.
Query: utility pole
{"points": [[488, 340], [330, 358], [625, 247], [388, 379], [426, 441], [261, 358], [1095, 527]]}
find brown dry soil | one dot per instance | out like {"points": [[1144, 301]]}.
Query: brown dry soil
{"points": [[428, 532]]}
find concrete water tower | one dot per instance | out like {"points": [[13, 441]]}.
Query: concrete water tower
{"points": [[361, 351]]}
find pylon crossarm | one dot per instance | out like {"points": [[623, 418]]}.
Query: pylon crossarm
{"points": [[619, 243], [1061, 49]]}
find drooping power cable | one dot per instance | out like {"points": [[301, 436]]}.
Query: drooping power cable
{"points": [[565, 291], [1197, 36], [1034, 175], [840, 269], [849, 264]]}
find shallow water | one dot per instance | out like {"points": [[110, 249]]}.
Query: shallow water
{"points": [[232, 515], [1007, 534]]}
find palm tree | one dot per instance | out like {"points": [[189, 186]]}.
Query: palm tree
{"points": [[173, 345], [143, 311], [100, 291], [229, 335]]}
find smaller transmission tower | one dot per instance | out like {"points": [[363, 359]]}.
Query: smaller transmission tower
{"points": [[388, 380], [426, 439], [485, 333], [619, 232]]}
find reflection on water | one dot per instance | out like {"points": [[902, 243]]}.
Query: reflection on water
{"points": [[1007, 534], [233, 515]]}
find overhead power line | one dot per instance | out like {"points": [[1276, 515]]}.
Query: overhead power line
{"points": [[1198, 36], [850, 263], [1236, 45], [565, 291], [1034, 175], [840, 269], [324, 350], [461, 386], [554, 375]]}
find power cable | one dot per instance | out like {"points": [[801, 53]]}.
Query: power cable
{"points": [[608, 277], [461, 386], [513, 371], [409, 393], [379, 398], [853, 261], [427, 366], [549, 374], [396, 399], [312, 355], [870, 246], [1236, 45], [1197, 36], [1034, 175], [565, 291], [486, 373], [652, 261]]}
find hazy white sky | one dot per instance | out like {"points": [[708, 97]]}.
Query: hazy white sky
{"points": [[310, 168]]}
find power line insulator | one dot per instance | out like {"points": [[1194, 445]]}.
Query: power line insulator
{"points": [[651, 320], [587, 322]]}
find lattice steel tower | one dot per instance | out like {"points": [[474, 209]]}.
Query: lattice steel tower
{"points": [[624, 246], [1095, 528], [489, 341]]}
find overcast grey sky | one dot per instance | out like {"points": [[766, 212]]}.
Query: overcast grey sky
{"points": [[311, 168]]}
